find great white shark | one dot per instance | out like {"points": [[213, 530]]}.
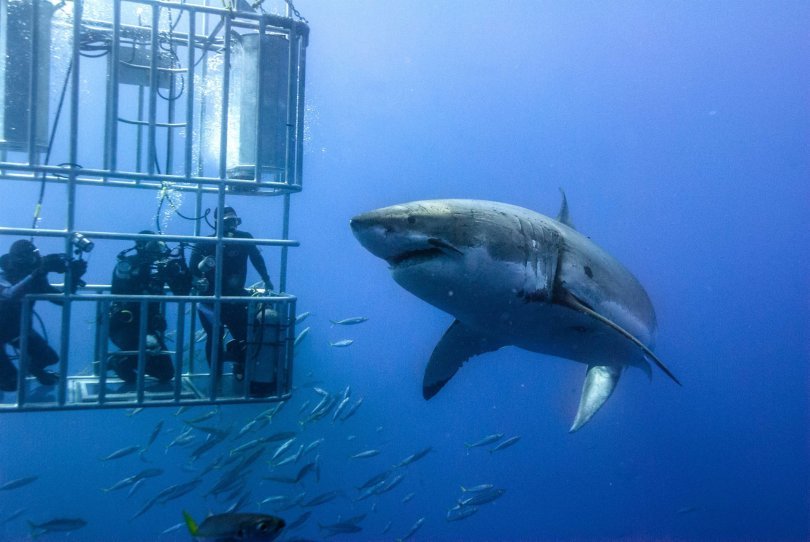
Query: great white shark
{"points": [[511, 276]]}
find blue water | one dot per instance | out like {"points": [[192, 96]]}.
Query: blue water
{"points": [[681, 135]]}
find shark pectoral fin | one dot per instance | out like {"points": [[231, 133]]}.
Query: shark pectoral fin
{"points": [[458, 344], [600, 380], [575, 303]]}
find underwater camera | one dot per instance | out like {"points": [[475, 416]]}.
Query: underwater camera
{"points": [[81, 243]]}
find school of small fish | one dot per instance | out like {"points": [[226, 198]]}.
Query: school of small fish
{"points": [[262, 472]]}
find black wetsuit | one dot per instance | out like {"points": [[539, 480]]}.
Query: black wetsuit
{"points": [[234, 275], [12, 289], [141, 275]]}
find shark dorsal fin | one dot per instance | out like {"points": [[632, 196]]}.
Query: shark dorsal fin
{"points": [[563, 215]]}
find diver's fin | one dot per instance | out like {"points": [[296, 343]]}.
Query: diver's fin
{"points": [[600, 380], [192, 526], [563, 215], [575, 303], [458, 344]]}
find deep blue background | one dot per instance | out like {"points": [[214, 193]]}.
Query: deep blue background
{"points": [[681, 134]]}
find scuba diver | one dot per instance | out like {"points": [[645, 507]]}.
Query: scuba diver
{"points": [[145, 273], [234, 274], [23, 271]]}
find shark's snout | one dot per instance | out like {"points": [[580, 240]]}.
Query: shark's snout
{"points": [[394, 236], [361, 222]]}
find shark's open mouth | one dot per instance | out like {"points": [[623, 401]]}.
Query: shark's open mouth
{"points": [[421, 255], [414, 257]]}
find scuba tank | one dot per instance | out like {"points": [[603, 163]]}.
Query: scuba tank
{"points": [[264, 351]]}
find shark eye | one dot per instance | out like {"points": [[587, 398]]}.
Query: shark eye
{"points": [[263, 525], [411, 220]]}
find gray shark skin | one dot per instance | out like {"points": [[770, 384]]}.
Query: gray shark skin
{"points": [[511, 276]]}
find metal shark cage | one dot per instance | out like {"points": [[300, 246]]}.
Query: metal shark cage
{"points": [[181, 97]]}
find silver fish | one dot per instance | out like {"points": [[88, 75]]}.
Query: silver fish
{"points": [[300, 520], [14, 515], [246, 428], [352, 409], [365, 454], [275, 499], [482, 497], [476, 489], [321, 410], [314, 444], [304, 406], [505, 444], [292, 458], [349, 321], [341, 343], [301, 317], [457, 513], [489, 439], [121, 453], [61, 525], [340, 528], [155, 432], [300, 337], [135, 487], [374, 480], [182, 439], [388, 485], [207, 416], [211, 430], [415, 527], [19, 482], [320, 499], [340, 407], [283, 435], [280, 450], [293, 502], [414, 457], [173, 528]]}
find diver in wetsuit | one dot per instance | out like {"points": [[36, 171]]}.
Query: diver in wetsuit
{"points": [[23, 271], [145, 273], [234, 274]]}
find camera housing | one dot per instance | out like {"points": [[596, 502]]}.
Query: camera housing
{"points": [[81, 243]]}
